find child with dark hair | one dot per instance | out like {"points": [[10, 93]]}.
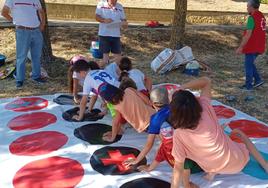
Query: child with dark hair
{"points": [[199, 137], [124, 84], [74, 79], [130, 105], [127, 82], [94, 78], [144, 84], [159, 125]]}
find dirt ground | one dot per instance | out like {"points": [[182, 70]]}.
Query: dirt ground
{"points": [[214, 45], [211, 5]]}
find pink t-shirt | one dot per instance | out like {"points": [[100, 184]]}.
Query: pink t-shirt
{"points": [[135, 109], [209, 146]]}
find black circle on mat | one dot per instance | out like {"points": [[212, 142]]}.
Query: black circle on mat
{"points": [[64, 100], [146, 183], [89, 116], [92, 133], [109, 160]]}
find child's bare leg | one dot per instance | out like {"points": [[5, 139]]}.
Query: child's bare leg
{"points": [[252, 149], [210, 176]]}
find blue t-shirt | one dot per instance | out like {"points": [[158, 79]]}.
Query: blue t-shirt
{"points": [[158, 119]]}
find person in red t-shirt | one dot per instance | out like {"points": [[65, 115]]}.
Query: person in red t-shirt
{"points": [[253, 44]]}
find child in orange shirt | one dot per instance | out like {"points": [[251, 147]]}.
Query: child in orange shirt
{"points": [[129, 104], [199, 137]]}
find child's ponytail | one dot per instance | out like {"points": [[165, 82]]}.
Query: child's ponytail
{"points": [[125, 65], [123, 75]]}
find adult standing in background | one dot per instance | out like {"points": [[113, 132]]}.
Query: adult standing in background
{"points": [[253, 44], [28, 18], [111, 16]]}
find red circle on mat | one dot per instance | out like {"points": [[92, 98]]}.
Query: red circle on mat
{"points": [[53, 172], [27, 104], [252, 129], [32, 121], [223, 112], [38, 143]]}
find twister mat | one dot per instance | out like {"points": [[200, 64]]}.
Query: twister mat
{"points": [[39, 148]]}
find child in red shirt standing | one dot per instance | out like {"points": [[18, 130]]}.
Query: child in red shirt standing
{"points": [[253, 44]]}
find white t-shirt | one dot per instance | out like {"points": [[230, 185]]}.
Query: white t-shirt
{"points": [[80, 79], [138, 77], [112, 70], [95, 78], [116, 13], [24, 12]]}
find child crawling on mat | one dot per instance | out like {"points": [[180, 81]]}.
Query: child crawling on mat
{"points": [[143, 83], [159, 125], [94, 78], [199, 137], [75, 81], [129, 104]]}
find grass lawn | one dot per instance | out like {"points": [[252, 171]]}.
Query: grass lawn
{"points": [[214, 45]]}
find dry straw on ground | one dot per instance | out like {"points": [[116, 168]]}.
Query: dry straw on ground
{"points": [[214, 45]]}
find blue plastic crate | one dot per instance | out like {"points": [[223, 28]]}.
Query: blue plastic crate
{"points": [[192, 72], [96, 53]]}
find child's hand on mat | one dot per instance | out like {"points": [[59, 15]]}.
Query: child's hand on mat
{"points": [[109, 133], [108, 20], [76, 117], [108, 138], [144, 168], [76, 100], [129, 162]]}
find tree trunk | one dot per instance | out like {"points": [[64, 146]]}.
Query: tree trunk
{"points": [[47, 55], [178, 26]]}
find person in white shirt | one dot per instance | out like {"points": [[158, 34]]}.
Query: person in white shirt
{"points": [[111, 16], [29, 20], [94, 78], [143, 83]]}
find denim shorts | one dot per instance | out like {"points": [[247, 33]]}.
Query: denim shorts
{"points": [[110, 44]]}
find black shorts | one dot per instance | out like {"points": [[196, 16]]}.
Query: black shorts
{"points": [[110, 44]]}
